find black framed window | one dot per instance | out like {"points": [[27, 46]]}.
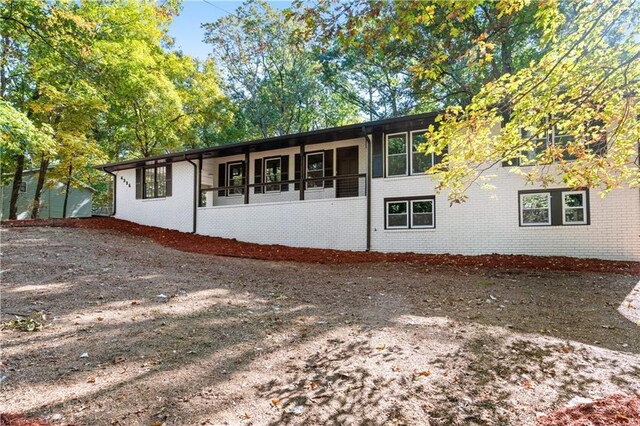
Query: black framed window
{"points": [[153, 181], [410, 213], [554, 207]]}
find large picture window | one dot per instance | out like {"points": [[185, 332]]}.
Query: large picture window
{"points": [[315, 169], [554, 207], [410, 213]]}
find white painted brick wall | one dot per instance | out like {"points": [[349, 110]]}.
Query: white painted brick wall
{"points": [[486, 223], [175, 212], [489, 223], [335, 224]]}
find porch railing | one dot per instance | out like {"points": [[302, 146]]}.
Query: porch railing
{"points": [[328, 187]]}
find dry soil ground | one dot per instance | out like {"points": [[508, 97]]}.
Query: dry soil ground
{"points": [[239, 341]]}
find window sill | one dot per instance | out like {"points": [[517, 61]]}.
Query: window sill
{"points": [[401, 230], [154, 199]]}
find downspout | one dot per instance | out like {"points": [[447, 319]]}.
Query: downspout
{"points": [[195, 193], [115, 193], [369, 161]]}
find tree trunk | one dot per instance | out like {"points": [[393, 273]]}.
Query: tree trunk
{"points": [[44, 165], [15, 191], [66, 193]]}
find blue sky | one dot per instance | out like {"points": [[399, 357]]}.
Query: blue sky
{"points": [[186, 27]]}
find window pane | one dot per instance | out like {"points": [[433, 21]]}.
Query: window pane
{"points": [[273, 173], [535, 201], [422, 207], [397, 165], [422, 219], [574, 215], [161, 181], [315, 169], [420, 161], [573, 200], [562, 141], [397, 220], [149, 183], [315, 162], [397, 144], [397, 208], [535, 216], [236, 178]]}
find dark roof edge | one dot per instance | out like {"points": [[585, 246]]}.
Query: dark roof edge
{"points": [[194, 153]]}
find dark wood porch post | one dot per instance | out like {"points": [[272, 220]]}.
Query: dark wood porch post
{"points": [[246, 177], [303, 169]]}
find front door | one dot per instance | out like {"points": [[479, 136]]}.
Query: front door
{"points": [[347, 162]]}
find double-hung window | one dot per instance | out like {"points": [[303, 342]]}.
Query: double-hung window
{"points": [[397, 154], [315, 170], [397, 216], [535, 209], [410, 213], [420, 160], [422, 214], [574, 208], [554, 207], [236, 178], [272, 173]]}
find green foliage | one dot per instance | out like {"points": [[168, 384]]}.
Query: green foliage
{"points": [[273, 80], [584, 87], [28, 324]]}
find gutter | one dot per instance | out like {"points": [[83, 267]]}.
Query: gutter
{"points": [[195, 194], [115, 192], [369, 161]]}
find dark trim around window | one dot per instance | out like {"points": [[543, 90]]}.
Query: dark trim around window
{"points": [[141, 183], [557, 201], [408, 200]]}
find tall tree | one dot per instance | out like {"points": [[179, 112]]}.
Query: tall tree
{"points": [[421, 55], [572, 116], [274, 80]]}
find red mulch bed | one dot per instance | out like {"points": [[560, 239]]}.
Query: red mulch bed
{"points": [[227, 247], [612, 410], [8, 419]]}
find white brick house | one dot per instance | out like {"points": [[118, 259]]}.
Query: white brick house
{"points": [[361, 187]]}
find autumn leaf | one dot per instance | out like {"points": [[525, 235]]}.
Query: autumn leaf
{"points": [[380, 347]]}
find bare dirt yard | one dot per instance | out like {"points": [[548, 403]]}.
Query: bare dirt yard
{"points": [[137, 333]]}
